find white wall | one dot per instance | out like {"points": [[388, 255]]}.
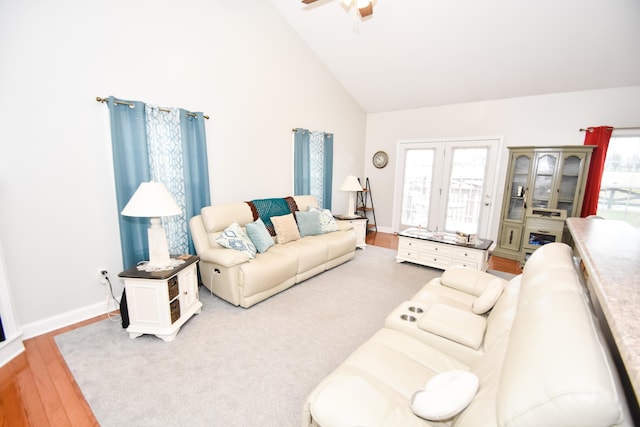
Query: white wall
{"points": [[536, 120], [237, 61]]}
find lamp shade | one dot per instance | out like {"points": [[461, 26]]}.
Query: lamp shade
{"points": [[351, 183], [151, 199]]}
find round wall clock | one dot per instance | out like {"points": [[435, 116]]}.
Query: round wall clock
{"points": [[380, 159]]}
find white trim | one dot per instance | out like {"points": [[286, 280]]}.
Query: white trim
{"points": [[10, 349], [61, 320]]}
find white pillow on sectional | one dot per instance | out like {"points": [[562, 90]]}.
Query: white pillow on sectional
{"points": [[445, 395], [489, 296]]}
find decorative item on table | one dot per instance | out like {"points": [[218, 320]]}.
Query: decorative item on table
{"points": [[463, 237], [352, 185], [153, 200]]}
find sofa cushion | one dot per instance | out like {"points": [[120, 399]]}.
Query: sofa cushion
{"points": [[234, 237], [327, 222], [259, 235], [445, 395], [454, 324], [489, 296], [286, 228], [309, 223]]}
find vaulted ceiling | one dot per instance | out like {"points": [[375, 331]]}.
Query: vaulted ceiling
{"points": [[421, 53]]}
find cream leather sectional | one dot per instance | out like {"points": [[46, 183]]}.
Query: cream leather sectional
{"points": [[538, 355], [241, 281]]}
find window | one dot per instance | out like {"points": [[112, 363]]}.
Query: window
{"points": [[620, 185]]}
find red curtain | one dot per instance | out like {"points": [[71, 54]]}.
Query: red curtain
{"points": [[598, 136]]}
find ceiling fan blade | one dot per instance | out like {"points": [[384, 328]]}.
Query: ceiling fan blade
{"points": [[366, 11], [308, 1]]}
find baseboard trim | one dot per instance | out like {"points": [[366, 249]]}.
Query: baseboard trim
{"points": [[61, 320], [10, 349]]}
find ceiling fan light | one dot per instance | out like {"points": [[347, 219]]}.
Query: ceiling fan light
{"points": [[363, 3], [347, 3]]}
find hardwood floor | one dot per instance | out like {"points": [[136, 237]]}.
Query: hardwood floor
{"points": [[37, 388]]}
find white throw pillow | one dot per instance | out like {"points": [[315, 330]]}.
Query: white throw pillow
{"points": [[445, 395], [489, 297]]}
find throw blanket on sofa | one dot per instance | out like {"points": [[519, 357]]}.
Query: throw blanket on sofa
{"points": [[266, 208]]}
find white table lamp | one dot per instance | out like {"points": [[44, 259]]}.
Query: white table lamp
{"points": [[153, 200], [352, 185]]}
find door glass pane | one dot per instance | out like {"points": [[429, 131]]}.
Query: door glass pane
{"points": [[418, 178], [518, 186], [620, 184], [543, 181], [466, 189]]}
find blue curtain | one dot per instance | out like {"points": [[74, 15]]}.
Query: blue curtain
{"points": [[306, 171], [327, 169], [301, 163], [196, 165], [131, 167]]}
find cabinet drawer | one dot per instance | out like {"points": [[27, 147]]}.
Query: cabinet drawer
{"points": [[174, 290], [409, 253], [469, 263], [437, 261], [437, 249], [175, 310], [468, 255]]}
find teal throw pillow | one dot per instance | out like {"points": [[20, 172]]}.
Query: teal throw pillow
{"points": [[327, 222], [309, 223], [259, 235], [234, 237]]}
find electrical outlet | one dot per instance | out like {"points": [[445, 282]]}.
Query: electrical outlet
{"points": [[103, 276]]}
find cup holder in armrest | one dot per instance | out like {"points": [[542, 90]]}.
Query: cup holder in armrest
{"points": [[415, 309], [408, 317]]}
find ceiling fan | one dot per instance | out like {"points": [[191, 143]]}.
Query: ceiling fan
{"points": [[365, 7]]}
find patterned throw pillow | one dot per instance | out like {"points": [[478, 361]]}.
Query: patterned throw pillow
{"points": [[234, 237], [309, 223], [286, 228], [327, 222], [259, 235]]}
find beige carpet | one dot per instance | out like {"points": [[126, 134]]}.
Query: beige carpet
{"points": [[230, 366]]}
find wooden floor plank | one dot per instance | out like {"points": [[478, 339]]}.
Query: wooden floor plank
{"points": [[45, 386], [28, 393]]}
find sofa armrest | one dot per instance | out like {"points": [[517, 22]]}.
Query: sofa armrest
{"points": [[223, 256], [344, 225], [468, 280]]}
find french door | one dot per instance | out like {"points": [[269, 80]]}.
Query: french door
{"points": [[446, 185]]}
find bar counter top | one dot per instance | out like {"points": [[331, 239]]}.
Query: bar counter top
{"points": [[610, 252]]}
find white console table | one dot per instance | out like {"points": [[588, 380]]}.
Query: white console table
{"points": [[441, 250]]}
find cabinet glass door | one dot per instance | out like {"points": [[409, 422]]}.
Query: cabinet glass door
{"points": [[518, 187], [569, 183], [543, 180]]}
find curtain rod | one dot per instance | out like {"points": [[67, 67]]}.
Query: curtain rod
{"points": [[99, 99], [611, 127]]}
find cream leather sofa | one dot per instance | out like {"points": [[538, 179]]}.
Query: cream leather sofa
{"points": [[541, 360], [233, 277]]}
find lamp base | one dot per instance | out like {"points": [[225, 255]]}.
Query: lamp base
{"points": [[158, 247]]}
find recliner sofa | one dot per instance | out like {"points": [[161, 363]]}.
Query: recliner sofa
{"points": [[232, 276], [541, 359]]}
